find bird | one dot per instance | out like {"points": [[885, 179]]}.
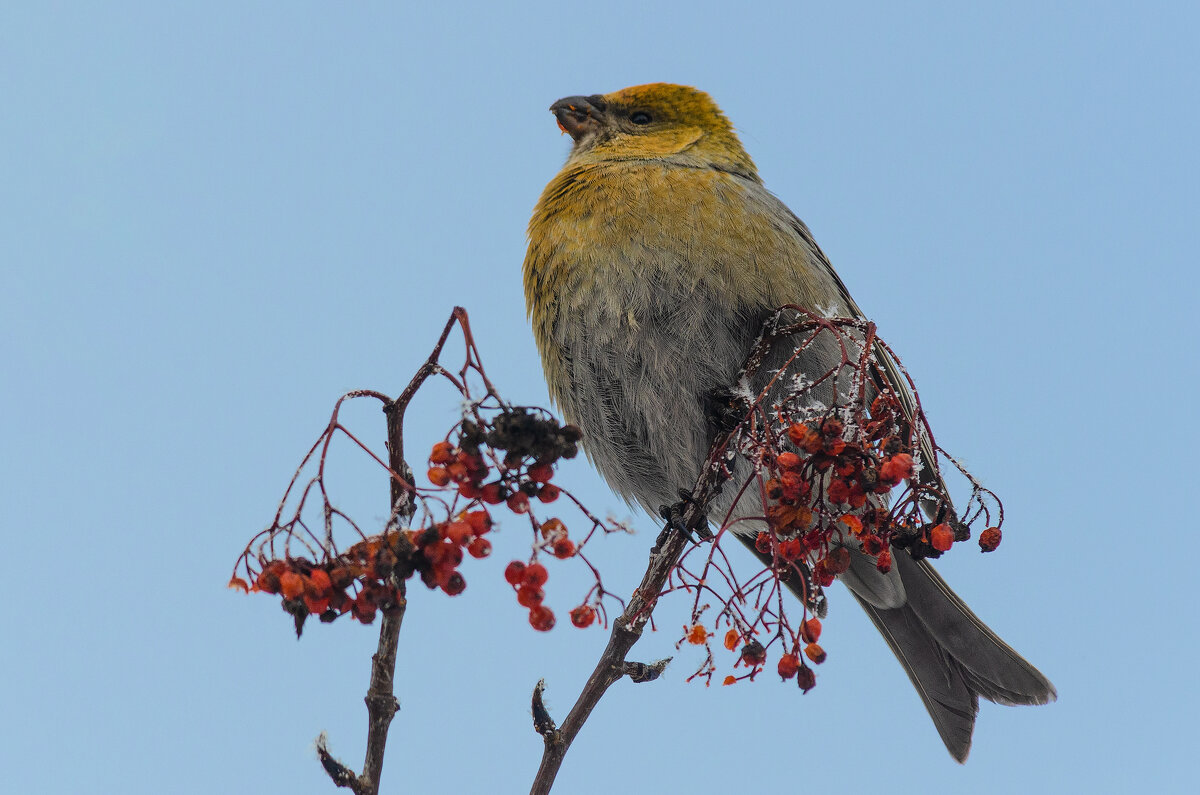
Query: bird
{"points": [[654, 257]]}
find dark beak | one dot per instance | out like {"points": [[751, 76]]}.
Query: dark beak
{"points": [[578, 116]]}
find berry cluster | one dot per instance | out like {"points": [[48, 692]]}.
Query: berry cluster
{"points": [[508, 460]]}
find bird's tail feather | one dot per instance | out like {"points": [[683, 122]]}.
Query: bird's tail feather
{"points": [[951, 656]]}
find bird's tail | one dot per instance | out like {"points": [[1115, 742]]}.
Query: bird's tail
{"points": [[951, 657]]}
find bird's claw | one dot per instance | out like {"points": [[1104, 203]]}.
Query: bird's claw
{"points": [[675, 515]]}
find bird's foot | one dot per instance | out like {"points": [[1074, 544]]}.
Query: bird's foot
{"points": [[724, 408], [676, 517]]}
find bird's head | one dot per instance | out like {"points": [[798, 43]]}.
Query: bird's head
{"points": [[658, 121]]}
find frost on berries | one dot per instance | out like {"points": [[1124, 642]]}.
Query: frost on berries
{"points": [[494, 466], [857, 476]]}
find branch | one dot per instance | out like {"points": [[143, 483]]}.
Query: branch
{"points": [[628, 627], [381, 699]]}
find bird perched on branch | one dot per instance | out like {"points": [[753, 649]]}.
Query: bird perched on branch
{"points": [[654, 257]]}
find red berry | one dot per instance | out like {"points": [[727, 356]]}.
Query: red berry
{"points": [[762, 543], [530, 596], [469, 490], [518, 502], [541, 618], [480, 548], [564, 548], [838, 560], [536, 575], [884, 561], [548, 492], [541, 473], [438, 476], [788, 665], [454, 584], [583, 616], [492, 493], [514, 573]]}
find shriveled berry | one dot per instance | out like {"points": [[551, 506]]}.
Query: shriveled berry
{"points": [[697, 634], [291, 585], [753, 653], [815, 653], [884, 561], [806, 678], [788, 665], [989, 539], [810, 630]]}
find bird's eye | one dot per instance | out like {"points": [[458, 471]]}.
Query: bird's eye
{"points": [[640, 117]]}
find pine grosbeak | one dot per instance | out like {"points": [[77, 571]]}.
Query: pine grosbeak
{"points": [[654, 257]]}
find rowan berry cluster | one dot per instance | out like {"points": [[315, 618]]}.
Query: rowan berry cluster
{"points": [[836, 483], [508, 459]]}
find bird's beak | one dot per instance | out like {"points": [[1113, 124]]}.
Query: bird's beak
{"points": [[578, 116]]}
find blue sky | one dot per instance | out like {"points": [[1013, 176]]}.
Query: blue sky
{"points": [[215, 220]]}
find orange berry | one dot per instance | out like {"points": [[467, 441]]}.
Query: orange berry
{"points": [[541, 618], [458, 532], [729, 680], [697, 634], [480, 521], [583, 616], [788, 460], [514, 573], [731, 639], [788, 665], [480, 548], [814, 653], [291, 585], [316, 604], [536, 575], [443, 453], [238, 584], [438, 476], [320, 581], [884, 561], [853, 523], [810, 630], [941, 537], [553, 529], [457, 471], [267, 581]]}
